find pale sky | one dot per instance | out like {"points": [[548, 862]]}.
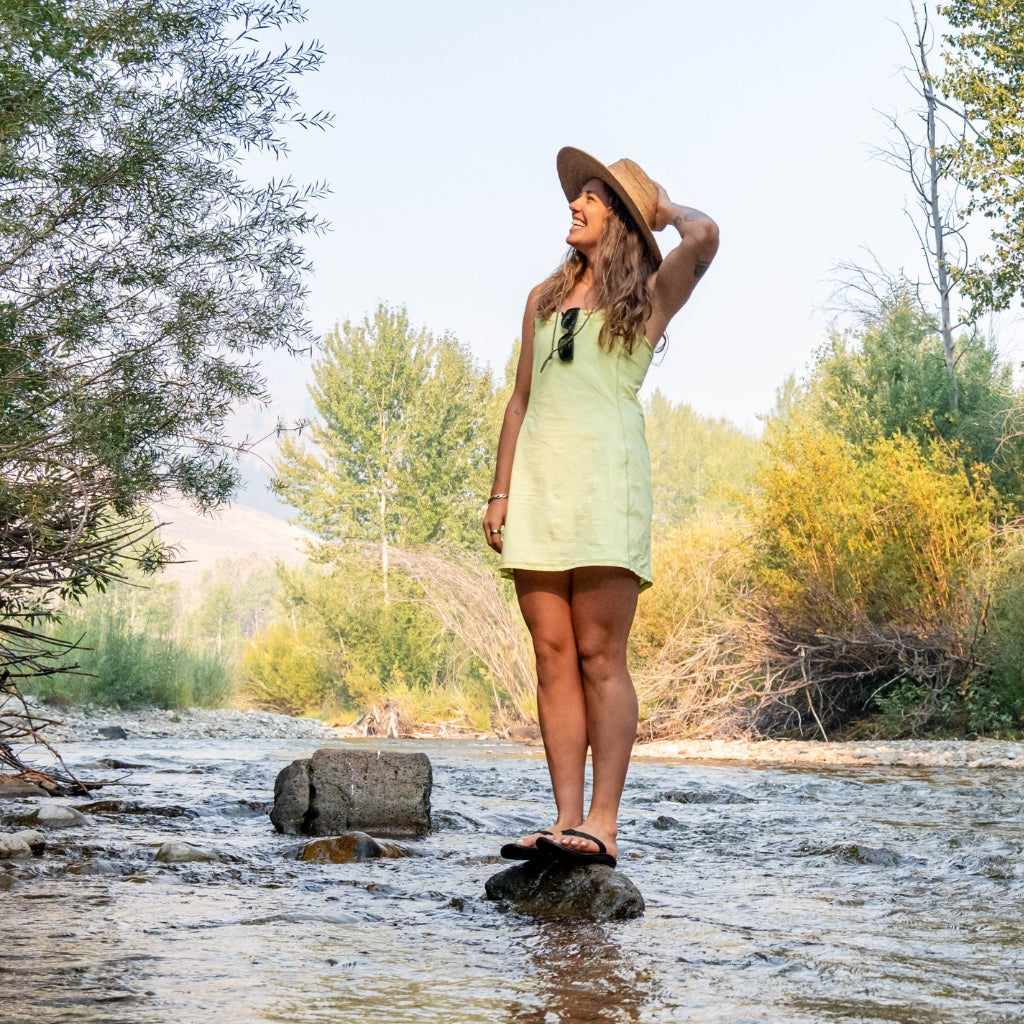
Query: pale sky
{"points": [[441, 161]]}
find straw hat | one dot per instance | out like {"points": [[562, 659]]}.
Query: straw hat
{"points": [[624, 177]]}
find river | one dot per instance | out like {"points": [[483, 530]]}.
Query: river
{"points": [[775, 895]]}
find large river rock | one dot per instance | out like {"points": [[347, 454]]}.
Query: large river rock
{"points": [[554, 889], [335, 791]]}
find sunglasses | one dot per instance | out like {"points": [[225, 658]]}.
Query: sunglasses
{"points": [[565, 346]]}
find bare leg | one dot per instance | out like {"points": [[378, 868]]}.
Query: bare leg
{"points": [[546, 602], [603, 605]]}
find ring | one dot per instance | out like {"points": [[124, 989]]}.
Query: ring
{"points": [[495, 531]]}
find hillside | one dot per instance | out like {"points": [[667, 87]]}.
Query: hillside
{"points": [[233, 532]]}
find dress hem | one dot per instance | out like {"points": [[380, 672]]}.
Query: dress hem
{"points": [[645, 582]]}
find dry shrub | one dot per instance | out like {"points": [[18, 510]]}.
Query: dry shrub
{"points": [[682, 648], [480, 610], [746, 677], [855, 581]]}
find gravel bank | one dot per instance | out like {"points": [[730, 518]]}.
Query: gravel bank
{"points": [[909, 753], [80, 724], [70, 725]]}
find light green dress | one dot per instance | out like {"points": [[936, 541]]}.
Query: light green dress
{"points": [[580, 492]]}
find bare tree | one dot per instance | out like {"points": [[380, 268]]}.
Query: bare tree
{"points": [[920, 146]]}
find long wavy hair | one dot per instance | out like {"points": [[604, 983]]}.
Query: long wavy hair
{"points": [[622, 269]]}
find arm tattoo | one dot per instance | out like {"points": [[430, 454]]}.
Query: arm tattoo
{"points": [[703, 261], [687, 216]]}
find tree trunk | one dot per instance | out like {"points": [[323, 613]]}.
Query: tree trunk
{"points": [[935, 214]]}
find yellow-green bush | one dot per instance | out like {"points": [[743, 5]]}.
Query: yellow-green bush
{"points": [[885, 535], [287, 669], [699, 568], [993, 696]]}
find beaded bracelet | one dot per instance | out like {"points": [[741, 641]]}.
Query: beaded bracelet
{"points": [[495, 497]]}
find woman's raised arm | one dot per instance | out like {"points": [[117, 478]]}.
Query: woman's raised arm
{"points": [[684, 266]]}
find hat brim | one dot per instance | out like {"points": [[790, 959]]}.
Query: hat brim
{"points": [[576, 168]]}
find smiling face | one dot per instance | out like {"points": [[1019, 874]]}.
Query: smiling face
{"points": [[589, 212]]}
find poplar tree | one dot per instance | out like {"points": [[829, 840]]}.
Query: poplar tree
{"points": [[984, 74], [698, 465], [402, 444]]}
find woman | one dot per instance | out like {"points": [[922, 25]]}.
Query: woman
{"points": [[570, 510]]}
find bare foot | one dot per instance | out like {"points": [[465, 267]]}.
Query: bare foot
{"points": [[549, 833], [530, 841], [586, 839]]}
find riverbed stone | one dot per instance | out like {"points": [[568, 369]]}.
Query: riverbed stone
{"points": [[349, 847], [25, 843], [113, 806], [176, 852], [54, 816], [554, 889], [12, 787], [337, 791]]}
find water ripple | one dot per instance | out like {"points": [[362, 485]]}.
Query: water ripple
{"points": [[776, 895]]}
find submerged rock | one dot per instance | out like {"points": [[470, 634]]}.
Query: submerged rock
{"points": [[702, 796], [25, 843], [114, 806], [552, 888], [177, 852], [54, 816], [349, 847], [525, 733], [336, 791]]}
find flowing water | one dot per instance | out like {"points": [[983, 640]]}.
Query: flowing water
{"points": [[774, 895]]}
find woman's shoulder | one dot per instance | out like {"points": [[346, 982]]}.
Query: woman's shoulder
{"points": [[533, 301]]}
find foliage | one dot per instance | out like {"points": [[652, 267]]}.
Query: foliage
{"points": [[985, 75], [121, 667], [148, 640], [865, 564], [358, 646], [890, 379], [286, 669], [698, 465], [994, 695], [236, 601], [685, 675], [479, 610], [885, 534], [401, 447], [699, 568], [139, 273]]}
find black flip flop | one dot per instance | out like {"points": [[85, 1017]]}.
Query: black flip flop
{"points": [[516, 851], [566, 853]]}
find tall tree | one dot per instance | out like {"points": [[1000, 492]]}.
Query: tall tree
{"points": [[699, 466], [984, 73], [889, 380], [140, 272], [401, 446], [919, 147]]}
